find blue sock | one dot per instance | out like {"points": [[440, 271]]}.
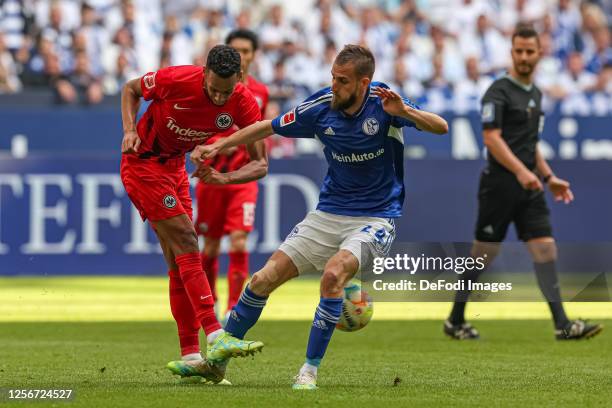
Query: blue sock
{"points": [[325, 319], [245, 314]]}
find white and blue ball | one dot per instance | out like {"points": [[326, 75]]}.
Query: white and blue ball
{"points": [[357, 308]]}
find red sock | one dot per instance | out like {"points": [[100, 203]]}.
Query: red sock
{"points": [[196, 286], [237, 274], [182, 311], [211, 269]]}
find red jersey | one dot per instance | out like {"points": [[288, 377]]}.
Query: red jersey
{"points": [[240, 157], [260, 92], [182, 115]]}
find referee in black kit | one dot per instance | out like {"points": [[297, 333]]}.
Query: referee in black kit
{"points": [[511, 187]]}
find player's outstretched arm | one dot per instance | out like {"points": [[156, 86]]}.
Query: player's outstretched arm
{"points": [[394, 105], [248, 135], [559, 188], [130, 102]]}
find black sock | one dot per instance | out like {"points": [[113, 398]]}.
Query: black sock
{"points": [[457, 315], [548, 281]]}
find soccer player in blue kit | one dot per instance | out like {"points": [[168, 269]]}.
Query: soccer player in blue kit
{"points": [[360, 126]]}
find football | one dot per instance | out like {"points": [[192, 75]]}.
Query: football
{"points": [[357, 308]]}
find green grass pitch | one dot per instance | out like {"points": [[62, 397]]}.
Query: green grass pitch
{"points": [[109, 340]]}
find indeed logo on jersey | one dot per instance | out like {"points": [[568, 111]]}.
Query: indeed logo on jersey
{"points": [[188, 134], [357, 157]]}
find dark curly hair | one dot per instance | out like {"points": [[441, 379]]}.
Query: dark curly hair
{"points": [[243, 34], [223, 60]]}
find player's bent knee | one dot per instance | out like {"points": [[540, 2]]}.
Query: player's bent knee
{"points": [[238, 247], [238, 242], [543, 250], [548, 254]]}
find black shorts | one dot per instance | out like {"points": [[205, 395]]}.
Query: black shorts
{"points": [[502, 200]]}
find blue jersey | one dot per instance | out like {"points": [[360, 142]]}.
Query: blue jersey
{"points": [[365, 153]]}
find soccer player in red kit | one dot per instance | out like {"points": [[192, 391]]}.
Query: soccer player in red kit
{"points": [[190, 104], [230, 209]]}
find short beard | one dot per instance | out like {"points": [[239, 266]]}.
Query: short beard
{"points": [[335, 105], [522, 72]]}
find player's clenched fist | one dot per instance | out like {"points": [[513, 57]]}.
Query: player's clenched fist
{"points": [[209, 175], [130, 143], [201, 152]]}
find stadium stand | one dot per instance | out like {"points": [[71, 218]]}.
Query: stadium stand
{"points": [[82, 50]]}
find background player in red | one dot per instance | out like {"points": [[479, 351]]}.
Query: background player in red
{"points": [[190, 104], [230, 209]]}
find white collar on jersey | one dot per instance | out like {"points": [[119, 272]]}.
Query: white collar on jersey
{"points": [[527, 88]]}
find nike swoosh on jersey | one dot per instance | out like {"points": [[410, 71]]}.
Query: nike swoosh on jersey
{"points": [[176, 106]]}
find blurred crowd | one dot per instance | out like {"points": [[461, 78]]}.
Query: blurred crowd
{"points": [[441, 53]]}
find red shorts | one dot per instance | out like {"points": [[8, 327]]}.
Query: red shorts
{"points": [[225, 208], [158, 191]]}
